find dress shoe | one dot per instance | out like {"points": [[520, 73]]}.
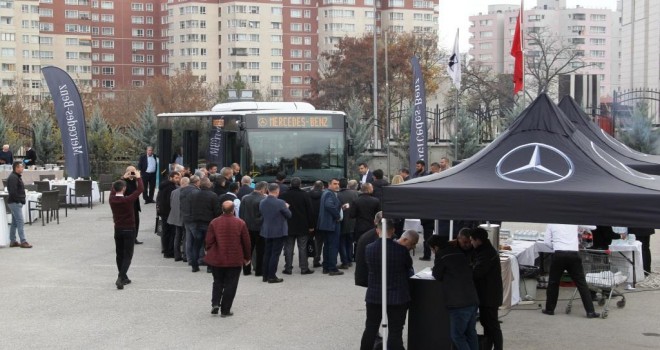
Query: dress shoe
{"points": [[343, 267], [26, 245], [184, 260], [208, 269], [126, 281], [177, 259], [548, 312], [214, 310], [593, 315], [138, 242], [168, 256], [195, 268], [275, 280], [119, 283], [317, 264], [287, 272], [336, 273], [14, 244], [307, 272], [247, 273], [257, 274], [264, 279], [424, 258], [228, 314], [325, 271]]}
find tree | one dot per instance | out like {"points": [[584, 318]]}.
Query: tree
{"points": [[143, 131], [347, 73], [640, 135], [237, 84], [7, 133], [358, 132], [465, 139], [549, 56], [47, 139], [101, 143]]}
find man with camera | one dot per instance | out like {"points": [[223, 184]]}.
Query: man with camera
{"points": [[123, 215]]}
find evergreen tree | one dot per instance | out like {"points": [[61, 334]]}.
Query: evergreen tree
{"points": [[639, 134], [143, 132], [465, 138], [359, 129], [47, 139], [401, 147], [101, 143]]}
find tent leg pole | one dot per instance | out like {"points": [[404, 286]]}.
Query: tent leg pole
{"points": [[383, 285], [451, 229]]}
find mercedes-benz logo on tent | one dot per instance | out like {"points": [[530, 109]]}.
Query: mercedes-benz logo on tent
{"points": [[534, 163]]}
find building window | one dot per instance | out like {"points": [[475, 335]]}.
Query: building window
{"points": [[597, 41], [296, 80], [597, 30], [597, 53], [276, 65], [296, 67], [108, 44], [396, 3], [276, 79], [598, 18], [137, 19], [486, 34], [137, 71]]}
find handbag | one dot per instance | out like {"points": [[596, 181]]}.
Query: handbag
{"points": [[311, 247]]}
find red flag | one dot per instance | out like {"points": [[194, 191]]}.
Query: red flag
{"points": [[517, 53]]}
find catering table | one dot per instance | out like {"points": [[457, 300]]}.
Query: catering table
{"points": [[71, 185], [510, 280], [4, 228], [428, 319], [30, 176], [29, 196], [527, 251], [628, 259]]}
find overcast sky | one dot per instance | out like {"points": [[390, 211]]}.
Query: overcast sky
{"points": [[455, 14]]}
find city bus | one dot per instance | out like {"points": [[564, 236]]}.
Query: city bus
{"points": [[264, 138]]}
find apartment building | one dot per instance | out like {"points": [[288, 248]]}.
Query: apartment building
{"points": [[108, 45], [593, 32], [640, 44]]}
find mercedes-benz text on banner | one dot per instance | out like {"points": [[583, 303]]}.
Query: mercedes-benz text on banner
{"points": [[418, 130], [71, 120]]}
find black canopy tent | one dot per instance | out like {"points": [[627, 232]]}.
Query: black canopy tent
{"points": [[645, 163], [542, 169]]}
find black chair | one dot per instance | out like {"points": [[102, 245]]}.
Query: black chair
{"points": [[46, 177], [42, 186], [5, 196], [50, 205], [82, 189], [62, 195], [105, 184], [4, 183], [32, 188], [33, 206]]}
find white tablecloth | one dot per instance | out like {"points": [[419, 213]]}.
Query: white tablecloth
{"points": [[619, 247], [413, 224], [4, 228], [29, 196], [510, 280], [71, 185], [528, 251]]}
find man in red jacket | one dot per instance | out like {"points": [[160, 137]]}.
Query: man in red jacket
{"points": [[123, 214], [228, 248]]}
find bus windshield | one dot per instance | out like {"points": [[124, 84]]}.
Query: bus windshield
{"points": [[308, 154]]}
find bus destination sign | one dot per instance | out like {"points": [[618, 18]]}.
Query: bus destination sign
{"points": [[294, 122]]}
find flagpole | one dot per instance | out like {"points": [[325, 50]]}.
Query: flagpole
{"points": [[375, 85]]}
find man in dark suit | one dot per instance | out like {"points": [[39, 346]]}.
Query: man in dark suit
{"points": [[148, 166], [274, 230], [300, 225], [365, 174], [279, 179], [163, 209], [30, 155], [236, 173], [361, 269], [399, 265], [315, 195], [347, 195], [363, 210], [379, 183], [252, 216], [205, 206], [245, 187], [487, 274], [329, 226]]}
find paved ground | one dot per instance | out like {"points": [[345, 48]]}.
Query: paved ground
{"points": [[61, 294]]}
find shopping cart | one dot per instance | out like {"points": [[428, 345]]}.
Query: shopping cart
{"points": [[602, 276]]}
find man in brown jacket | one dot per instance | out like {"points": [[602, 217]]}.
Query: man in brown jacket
{"points": [[228, 248]]}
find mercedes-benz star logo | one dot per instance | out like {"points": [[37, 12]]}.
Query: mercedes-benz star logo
{"points": [[534, 163]]}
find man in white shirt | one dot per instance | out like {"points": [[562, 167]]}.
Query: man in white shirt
{"points": [[148, 166], [564, 241]]}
